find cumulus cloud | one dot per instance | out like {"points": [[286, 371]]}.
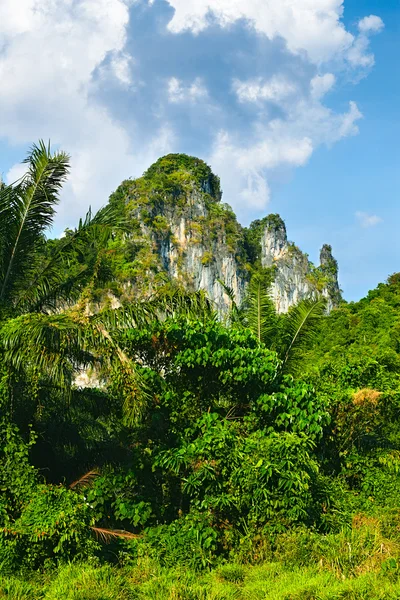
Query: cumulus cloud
{"points": [[359, 54], [120, 66], [290, 119], [282, 143], [321, 85], [371, 24], [366, 220], [249, 96], [242, 169], [305, 25]]}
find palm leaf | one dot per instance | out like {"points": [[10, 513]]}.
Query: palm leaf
{"points": [[58, 347], [235, 312], [27, 210], [301, 325], [85, 480], [107, 535], [45, 286], [173, 300], [260, 315]]}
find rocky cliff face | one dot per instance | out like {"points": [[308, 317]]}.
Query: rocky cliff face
{"points": [[182, 232], [296, 277]]}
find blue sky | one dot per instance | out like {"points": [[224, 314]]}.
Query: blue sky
{"points": [[294, 103]]}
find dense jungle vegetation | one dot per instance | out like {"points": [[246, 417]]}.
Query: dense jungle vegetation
{"points": [[253, 457]]}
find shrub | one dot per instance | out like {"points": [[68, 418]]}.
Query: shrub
{"points": [[54, 525]]}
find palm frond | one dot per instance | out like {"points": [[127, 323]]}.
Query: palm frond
{"points": [[52, 346], [45, 285], [108, 535], [27, 210], [301, 325], [260, 315], [85, 480], [235, 312], [173, 301], [58, 347]]}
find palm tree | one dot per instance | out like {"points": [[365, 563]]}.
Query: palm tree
{"points": [[44, 328], [27, 209], [290, 334], [47, 330]]}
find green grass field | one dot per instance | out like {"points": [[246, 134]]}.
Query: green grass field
{"points": [[270, 581]]}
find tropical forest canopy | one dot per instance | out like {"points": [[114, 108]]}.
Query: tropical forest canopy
{"points": [[150, 447]]}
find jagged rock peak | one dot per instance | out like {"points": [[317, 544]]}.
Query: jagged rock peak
{"points": [[326, 258], [294, 276], [182, 232], [274, 240]]}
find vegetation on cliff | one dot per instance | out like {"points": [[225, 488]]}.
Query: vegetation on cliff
{"points": [[177, 205]]}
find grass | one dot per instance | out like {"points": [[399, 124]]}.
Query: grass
{"points": [[359, 563], [271, 581]]}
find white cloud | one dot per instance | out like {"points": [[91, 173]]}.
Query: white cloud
{"points": [[313, 31], [321, 85], [55, 55], [371, 24], [305, 25], [15, 173], [286, 142], [50, 53], [366, 220], [178, 92], [273, 90], [358, 54], [121, 67]]}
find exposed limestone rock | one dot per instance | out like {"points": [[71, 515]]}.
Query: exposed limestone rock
{"points": [[296, 277], [182, 232], [187, 234]]}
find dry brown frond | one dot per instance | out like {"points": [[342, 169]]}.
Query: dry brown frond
{"points": [[85, 480], [106, 535], [366, 396]]}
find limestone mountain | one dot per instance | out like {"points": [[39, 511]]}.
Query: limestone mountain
{"points": [[181, 231]]}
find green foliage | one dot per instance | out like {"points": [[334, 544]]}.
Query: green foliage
{"points": [[191, 541], [175, 170], [267, 439], [296, 407], [27, 210], [207, 258], [55, 522], [255, 478], [18, 478], [198, 366]]}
